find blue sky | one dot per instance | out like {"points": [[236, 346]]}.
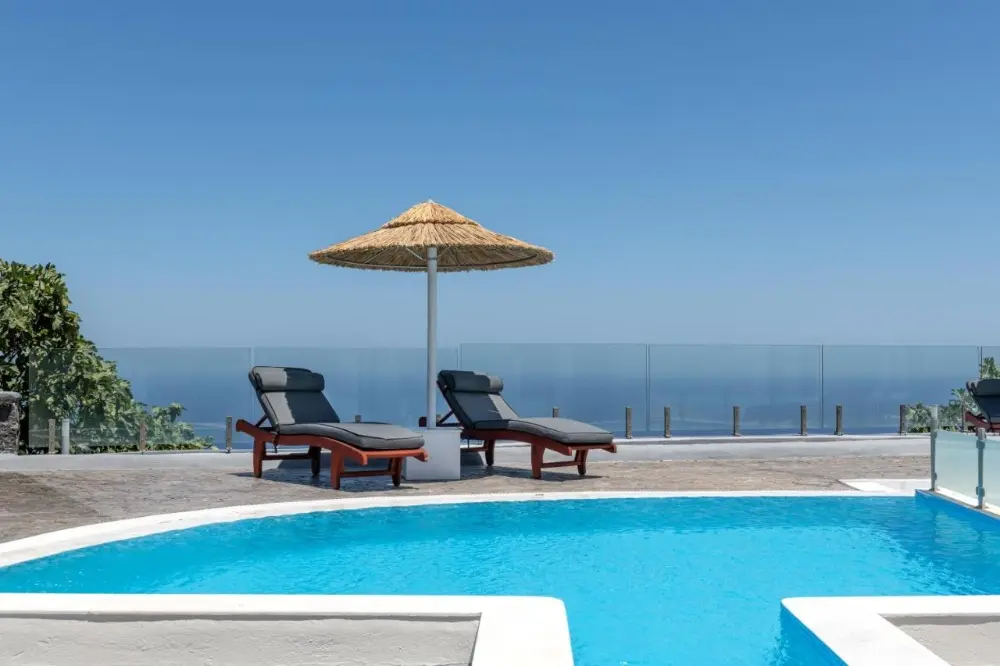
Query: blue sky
{"points": [[705, 171]]}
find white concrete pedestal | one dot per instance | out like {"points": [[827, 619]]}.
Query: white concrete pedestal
{"points": [[445, 463]]}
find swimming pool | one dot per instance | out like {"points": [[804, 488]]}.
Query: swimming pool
{"points": [[645, 581]]}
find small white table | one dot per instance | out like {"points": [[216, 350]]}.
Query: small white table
{"points": [[445, 462]]}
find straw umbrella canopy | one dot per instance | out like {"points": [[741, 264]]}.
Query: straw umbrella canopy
{"points": [[433, 238]]}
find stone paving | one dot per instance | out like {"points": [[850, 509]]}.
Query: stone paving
{"points": [[37, 502]]}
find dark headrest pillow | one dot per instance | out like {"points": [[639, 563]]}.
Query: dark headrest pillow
{"points": [[464, 381], [267, 379]]}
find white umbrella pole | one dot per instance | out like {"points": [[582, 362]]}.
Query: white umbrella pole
{"points": [[432, 264]]}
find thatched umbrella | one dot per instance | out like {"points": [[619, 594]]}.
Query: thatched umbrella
{"points": [[433, 238]]}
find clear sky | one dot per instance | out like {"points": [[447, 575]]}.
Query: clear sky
{"points": [[705, 171]]}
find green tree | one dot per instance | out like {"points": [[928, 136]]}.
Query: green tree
{"points": [[952, 415], [59, 373]]}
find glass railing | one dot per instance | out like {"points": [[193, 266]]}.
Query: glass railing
{"points": [[702, 383], [955, 465], [209, 383], [184, 395], [374, 384], [990, 352], [872, 382], [592, 383], [991, 473]]}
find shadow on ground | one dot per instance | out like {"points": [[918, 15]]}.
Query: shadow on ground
{"points": [[297, 472]]}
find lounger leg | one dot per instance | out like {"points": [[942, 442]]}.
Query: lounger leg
{"points": [[396, 467], [258, 457], [537, 453], [581, 461], [314, 459], [489, 451], [336, 468]]}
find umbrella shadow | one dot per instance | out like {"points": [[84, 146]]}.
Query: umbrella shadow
{"points": [[297, 472], [474, 466]]}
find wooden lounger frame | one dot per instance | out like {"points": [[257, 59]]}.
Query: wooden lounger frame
{"points": [[973, 422], [339, 452], [538, 444]]}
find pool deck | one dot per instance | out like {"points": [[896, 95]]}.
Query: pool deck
{"points": [[44, 493]]}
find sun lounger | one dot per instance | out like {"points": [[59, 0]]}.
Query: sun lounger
{"points": [[986, 393], [484, 415], [300, 415]]}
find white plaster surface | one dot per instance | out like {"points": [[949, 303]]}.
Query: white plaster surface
{"points": [[445, 462], [961, 641], [263, 642], [967, 502], [528, 631], [888, 485], [863, 631]]}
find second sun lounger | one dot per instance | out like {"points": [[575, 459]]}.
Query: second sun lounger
{"points": [[484, 415], [986, 393], [300, 415]]}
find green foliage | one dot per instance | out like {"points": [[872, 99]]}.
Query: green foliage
{"points": [[165, 430], [952, 415], [59, 373]]}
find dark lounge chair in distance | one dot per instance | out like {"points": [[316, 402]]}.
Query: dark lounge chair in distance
{"points": [[484, 415], [986, 393], [300, 415]]}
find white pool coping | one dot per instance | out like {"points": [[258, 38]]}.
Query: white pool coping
{"points": [[888, 485], [53, 543], [528, 631], [857, 631]]}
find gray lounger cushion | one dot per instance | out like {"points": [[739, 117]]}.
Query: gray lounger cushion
{"points": [[294, 403], [987, 395], [474, 397], [370, 436], [564, 431], [476, 401], [292, 395]]}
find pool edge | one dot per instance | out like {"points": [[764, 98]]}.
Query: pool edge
{"points": [[75, 538]]}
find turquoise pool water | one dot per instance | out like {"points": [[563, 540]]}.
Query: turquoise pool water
{"points": [[685, 581]]}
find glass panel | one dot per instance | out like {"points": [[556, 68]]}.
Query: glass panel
{"points": [[872, 382], [210, 383], [702, 383], [52, 389], [377, 384], [991, 352], [991, 472], [957, 464], [182, 396], [593, 383]]}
